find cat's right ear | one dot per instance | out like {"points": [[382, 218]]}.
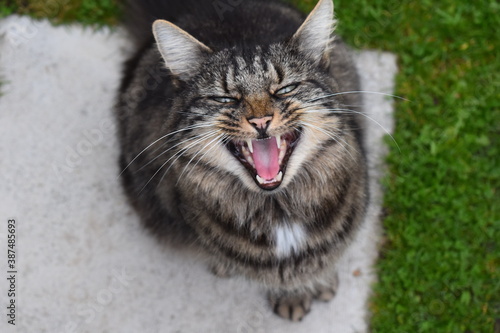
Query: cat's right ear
{"points": [[181, 51]]}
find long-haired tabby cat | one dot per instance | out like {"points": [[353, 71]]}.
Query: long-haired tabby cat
{"points": [[239, 126]]}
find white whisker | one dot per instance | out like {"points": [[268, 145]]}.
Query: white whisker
{"points": [[199, 151], [220, 141], [357, 92], [356, 112], [161, 138], [333, 136], [174, 146], [179, 153]]}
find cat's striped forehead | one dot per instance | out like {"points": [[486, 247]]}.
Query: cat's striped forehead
{"points": [[253, 72]]}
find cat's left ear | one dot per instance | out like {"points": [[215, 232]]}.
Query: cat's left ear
{"points": [[182, 52], [315, 34]]}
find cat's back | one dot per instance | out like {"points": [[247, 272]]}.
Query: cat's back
{"points": [[221, 24], [250, 22]]}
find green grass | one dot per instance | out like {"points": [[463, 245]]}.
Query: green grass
{"points": [[88, 12], [6, 8], [441, 262], [440, 265]]}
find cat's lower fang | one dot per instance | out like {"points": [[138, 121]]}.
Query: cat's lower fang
{"points": [[277, 179], [282, 154]]}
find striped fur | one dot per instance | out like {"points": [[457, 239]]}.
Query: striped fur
{"points": [[179, 170]]}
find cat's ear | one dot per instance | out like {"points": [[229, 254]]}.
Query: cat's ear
{"points": [[315, 34], [181, 51]]}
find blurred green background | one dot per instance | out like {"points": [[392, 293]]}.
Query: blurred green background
{"points": [[439, 269]]}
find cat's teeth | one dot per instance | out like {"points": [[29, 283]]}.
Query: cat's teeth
{"points": [[279, 177], [250, 146], [282, 152], [248, 156], [278, 141]]}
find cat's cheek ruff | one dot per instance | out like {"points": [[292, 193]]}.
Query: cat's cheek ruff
{"points": [[305, 149], [224, 160]]}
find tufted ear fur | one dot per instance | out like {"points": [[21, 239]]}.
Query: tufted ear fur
{"points": [[315, 35], [181, 51]]}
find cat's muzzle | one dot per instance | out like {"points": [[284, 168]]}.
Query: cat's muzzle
{"points": [[266, 159]]}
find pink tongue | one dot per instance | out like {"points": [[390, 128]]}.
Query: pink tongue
{"points": [[266, 158]]}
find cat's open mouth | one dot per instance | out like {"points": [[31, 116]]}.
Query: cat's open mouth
{"points": [[265, 159]]}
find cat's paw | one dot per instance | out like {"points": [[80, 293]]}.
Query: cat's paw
{"points": [[221, 270], [326, 293], [293, 308]]}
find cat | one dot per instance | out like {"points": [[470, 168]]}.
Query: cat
{"points": [[240, 127]]}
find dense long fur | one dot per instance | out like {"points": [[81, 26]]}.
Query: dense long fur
{"points": [[178, 139]]}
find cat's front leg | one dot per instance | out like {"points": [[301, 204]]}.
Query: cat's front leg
{"points": [[326, 290]]}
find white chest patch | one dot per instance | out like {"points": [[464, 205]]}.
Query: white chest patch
{"points": [[289, 238]]}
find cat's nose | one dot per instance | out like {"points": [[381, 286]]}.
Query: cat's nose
{"points": [[261, 124]]}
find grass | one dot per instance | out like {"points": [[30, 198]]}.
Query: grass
{"points": [[440, 270], [440, 265], [88, 12]]}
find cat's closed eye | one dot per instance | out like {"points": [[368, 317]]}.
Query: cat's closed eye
{"points": [[225, 100], [286, 90]]}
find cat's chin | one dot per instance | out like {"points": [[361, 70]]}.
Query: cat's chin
{"points": [[265, 159]]}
